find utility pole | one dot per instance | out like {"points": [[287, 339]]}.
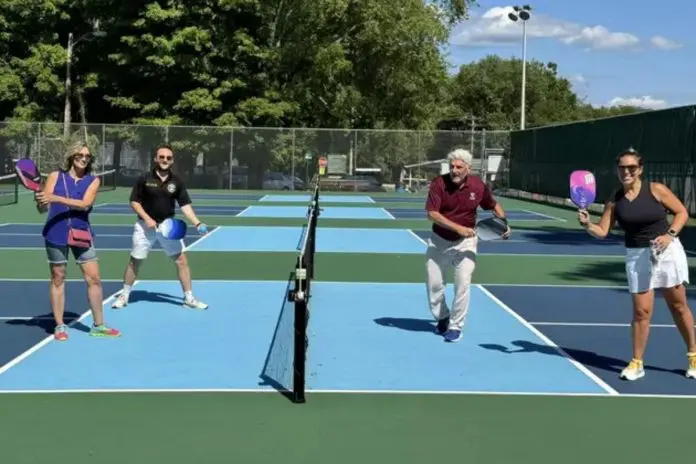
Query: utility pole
{"points": [[522, 13]]}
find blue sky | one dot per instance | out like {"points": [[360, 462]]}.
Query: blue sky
{"points": [[613, 51]]}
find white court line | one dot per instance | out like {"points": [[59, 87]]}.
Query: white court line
{"points": [[549, 342], [600, 324], [333, 282], [263, 198], [543, 215], [196, 242], [239, 214], [49, 338], [556, 255], [420, 239], [498, 284], [267, 391], [391, 216]]}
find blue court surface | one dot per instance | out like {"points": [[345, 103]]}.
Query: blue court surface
{"points": [[518, 339], [513, 215], [106, 237], [330, 198], [331, 240], [328, 212], [201, 210], [305, 197], [224, 196]]}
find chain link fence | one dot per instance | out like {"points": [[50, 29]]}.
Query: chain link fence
{"points": [[253, 158]]}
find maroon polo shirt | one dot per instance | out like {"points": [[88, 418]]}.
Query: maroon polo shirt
{"points": [[458, 203]]}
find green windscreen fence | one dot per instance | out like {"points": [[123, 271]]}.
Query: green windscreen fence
{"points": [[542, 159]]}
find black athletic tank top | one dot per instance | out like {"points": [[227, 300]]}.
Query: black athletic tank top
{"points": [[642, 219]]}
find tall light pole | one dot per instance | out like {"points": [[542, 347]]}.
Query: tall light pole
{"points": [[522, 13], [68, 81]]}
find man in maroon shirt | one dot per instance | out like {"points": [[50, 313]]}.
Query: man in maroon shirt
{"points": [[451, 205]]}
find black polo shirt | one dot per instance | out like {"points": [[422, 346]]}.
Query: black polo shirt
{"points": [[157, 196]]}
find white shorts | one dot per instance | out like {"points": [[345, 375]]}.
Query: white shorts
{"points": [[672, 268], [144, 239]]}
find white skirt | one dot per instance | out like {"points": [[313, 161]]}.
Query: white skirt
{"points": [[670, 270]]}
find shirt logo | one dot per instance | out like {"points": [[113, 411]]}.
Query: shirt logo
{"points": [[171, 188], [472, 196]]}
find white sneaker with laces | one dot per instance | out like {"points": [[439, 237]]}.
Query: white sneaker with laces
{"points": [[633, 371], [194, 303], [121, 301]]}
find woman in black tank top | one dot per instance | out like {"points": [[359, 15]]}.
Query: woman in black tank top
{"points": [[655, 258]]}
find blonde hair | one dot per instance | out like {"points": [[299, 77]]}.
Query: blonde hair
{"points": [[71, 150]]}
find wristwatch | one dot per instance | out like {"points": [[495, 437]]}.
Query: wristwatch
{"points": [[672, 232]]}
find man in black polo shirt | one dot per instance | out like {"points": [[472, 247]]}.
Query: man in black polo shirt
{"points": [[152, 199]]}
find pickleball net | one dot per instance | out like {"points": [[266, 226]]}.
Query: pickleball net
{"points": [[9, 189], [10, 186], [285, 366]]}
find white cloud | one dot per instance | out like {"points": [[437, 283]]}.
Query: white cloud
{"points": [[664, 43], [578, 79], [495, 28], [641, 102], [601, 38]]}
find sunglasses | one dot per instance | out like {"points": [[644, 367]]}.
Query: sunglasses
{"points": [[632, 168], [165, 158]]}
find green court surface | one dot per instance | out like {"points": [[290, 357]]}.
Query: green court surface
{"points": [[589, 417]]}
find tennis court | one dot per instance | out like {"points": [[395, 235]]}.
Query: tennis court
{"points": [[534, 379]]}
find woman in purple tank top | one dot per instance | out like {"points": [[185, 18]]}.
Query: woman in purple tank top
{"points": [[69, 194]]}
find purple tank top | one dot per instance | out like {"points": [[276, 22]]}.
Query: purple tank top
{"points": [[55, 230]]}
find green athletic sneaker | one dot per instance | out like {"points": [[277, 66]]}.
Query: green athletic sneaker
{"points": [[104, 331]]}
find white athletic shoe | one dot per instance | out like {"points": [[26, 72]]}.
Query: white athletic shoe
{"points": [[691, 370], [633, 371], [120, 302], [195, 304]]}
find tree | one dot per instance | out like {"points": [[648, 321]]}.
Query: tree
{"points": [[491, 90]]}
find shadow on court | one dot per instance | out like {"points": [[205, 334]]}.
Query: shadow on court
{"points": [[278, 371], [560, 233], [587, 358], [154, 297], [613, 272], [46, 323], [408, 324]]}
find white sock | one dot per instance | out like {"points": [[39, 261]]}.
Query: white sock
{"points": [[126, 290], [188, 296]]}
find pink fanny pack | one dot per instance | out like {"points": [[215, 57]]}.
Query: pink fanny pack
{"points": [[79, 238]]}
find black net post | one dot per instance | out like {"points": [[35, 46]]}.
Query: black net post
{"points": [[300, 296]]}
